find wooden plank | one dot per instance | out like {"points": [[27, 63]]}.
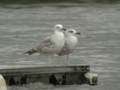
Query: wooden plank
{"points": [[44, 69]]}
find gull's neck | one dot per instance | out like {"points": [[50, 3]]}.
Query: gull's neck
{"points": [[68, 34], [56, 31]]}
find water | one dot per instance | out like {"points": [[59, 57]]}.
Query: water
{"points": [[22, 26]]}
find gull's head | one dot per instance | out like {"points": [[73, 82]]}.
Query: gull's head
{"points": [[72, 32], [59, 27]]}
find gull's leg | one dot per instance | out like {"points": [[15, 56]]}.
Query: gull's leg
{"points": [[50, 61], [67, 59]]}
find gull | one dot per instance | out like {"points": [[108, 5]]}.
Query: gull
{"points": [[52, 44], [71, 41]]}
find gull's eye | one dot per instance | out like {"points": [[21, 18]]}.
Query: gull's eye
{"points": [[57, 27], [71, 31]]}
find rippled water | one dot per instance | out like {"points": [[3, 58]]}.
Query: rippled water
{"points": [[21, 27]]}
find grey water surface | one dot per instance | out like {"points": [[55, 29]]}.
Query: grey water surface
{"points": [[23, 26]]}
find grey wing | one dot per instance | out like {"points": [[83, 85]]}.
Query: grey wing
{"points": [[45, 45], [65, 51]]}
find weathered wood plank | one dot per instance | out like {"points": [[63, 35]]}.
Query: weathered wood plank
{"points": [[43, 69]]}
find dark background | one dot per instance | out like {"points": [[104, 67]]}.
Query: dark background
{"points": [[51, 1]]}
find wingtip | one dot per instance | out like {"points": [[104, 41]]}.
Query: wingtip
{"points": [[30, 52]]}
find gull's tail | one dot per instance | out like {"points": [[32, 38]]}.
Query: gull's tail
{"points": [[31, 51]]}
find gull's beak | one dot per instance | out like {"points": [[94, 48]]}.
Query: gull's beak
{"points": [[64, 29], [78, 33]]}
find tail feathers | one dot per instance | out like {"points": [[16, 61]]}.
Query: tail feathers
{"points": [[31, 51]]}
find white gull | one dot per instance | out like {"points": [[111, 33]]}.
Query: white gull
{"points": [[50, 45], [71, 41]]}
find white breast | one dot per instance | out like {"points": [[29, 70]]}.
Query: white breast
{"points": [[71, 42], [59, 40]]}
